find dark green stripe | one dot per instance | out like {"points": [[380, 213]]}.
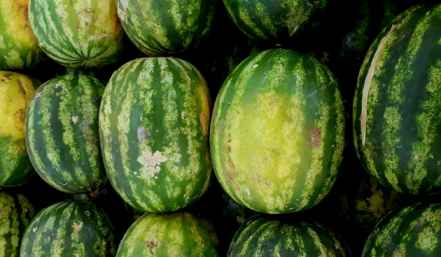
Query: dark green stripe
{"points": [[331, 141], [116, 155], [375, 134]]}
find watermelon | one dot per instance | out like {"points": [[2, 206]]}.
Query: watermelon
{"points": [[267, 238], [16, 92], [18, 46], [273, 21], [154, 126], [62, 133], [15, 215], [397, 107], [69, 228], [178, 234], [167, 26], [77, 33], [277, 132], [414, 231]]}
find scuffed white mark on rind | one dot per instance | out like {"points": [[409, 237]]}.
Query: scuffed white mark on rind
{"points": [[142, 134], [75, 119], [367, 85], [123, 5], [151, 163]]}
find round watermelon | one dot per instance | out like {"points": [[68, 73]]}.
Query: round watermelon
{"points": [[178, 234], [397, 107], [81, 33], [267, 238], [16, 92], [69, 228], [167, 26], [415, 231], [277, 132], [15, 215], [18, 46], [62, 135], [154, 126], [274, 21]]}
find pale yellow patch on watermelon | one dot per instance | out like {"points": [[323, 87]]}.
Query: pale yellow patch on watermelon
{"points": [[16, 92]]}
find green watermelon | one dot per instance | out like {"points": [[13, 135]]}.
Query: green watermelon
{"points": [[69, 228], [154, 126], [269, 238], [167, 26], [77, 33], [16, 92], [277, 132], [178, 234], [397, 107], [415, 231], [15, 214], [62, 135], [18, 46], [268, 20]]}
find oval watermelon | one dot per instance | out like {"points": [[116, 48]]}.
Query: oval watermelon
{"points": [[15, 215], [397, 107], [267, 238], [272, 20], [415, 231], [62, 133], [18, 46], [16, 92], [167, 26], [178, 234], [277, 133], [77, 33], [69, 228], [154, 121]]}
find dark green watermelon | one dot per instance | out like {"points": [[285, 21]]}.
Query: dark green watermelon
{"points": [[62, 133], [397, 107], [269, 238], [168, 26], [268, 20], [67, 229], [415, 231]]}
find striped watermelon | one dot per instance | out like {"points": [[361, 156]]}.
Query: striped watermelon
{"points": [[62, 133], [267, 238], [18, 45], [415, 231], [154, 121], [272, 20], [69, 228], [15, 214], [16, 92], [178, 234], [81, 33], [277, 133], [397, 107], [167, 26]]}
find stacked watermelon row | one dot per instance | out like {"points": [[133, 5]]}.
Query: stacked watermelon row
{"points": [[275, 135]]}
